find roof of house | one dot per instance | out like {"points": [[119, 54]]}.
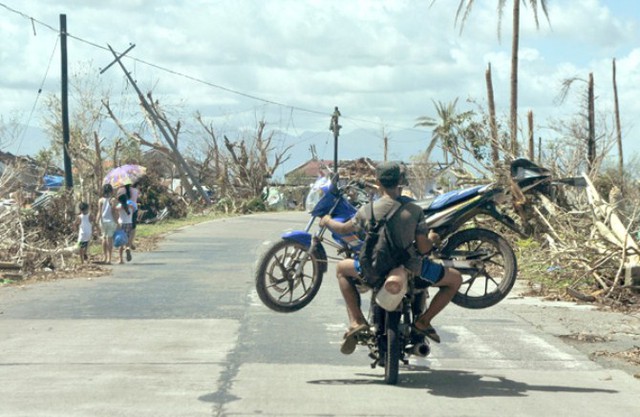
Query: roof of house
{"points": [[312, 168]]}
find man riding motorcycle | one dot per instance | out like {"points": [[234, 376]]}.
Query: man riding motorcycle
{"points": [[408, 229]]}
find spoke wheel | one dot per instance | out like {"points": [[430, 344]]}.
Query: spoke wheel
{"points": [[287, 278], [490, 270]]}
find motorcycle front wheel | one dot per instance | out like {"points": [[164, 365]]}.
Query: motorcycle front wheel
{"points": [[487, 264], [287, 277]]}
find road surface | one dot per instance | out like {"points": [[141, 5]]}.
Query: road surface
{"points": [[180, 332]]}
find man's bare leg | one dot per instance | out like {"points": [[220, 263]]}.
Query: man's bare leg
{"points": [[448, 286], [344, 271]]}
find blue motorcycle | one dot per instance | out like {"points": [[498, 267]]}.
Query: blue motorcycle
{"points": [[290, 272]]}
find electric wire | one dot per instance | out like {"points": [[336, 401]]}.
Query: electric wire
{"points": [[38, 94], [33, 20]]}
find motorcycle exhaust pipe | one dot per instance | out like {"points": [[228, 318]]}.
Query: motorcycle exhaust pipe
{"points": [[420, 349]]}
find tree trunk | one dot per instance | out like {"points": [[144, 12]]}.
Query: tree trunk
{"points": [[618, 128], [514, 78], [591, 140], [98, 163], [495, 153]]}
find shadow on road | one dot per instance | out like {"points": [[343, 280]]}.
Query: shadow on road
{"points": [[459, 384]]}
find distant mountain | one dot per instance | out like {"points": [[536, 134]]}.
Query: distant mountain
{"points": [[351, 145]]}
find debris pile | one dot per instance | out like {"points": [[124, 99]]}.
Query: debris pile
{"points": [[586, 244]]}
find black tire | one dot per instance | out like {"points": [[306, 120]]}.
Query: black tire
{"points": [[276, 283], [490, 282], [392, 355]]}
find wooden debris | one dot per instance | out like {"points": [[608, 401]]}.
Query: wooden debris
{"points": [[589, 240]]}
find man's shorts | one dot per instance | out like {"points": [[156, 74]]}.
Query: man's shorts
{"points": [[83, 245], [430, 274]]}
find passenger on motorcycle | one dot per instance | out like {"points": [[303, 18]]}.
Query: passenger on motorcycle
{"points": [[409, 229]]}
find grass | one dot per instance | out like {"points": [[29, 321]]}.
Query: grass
{"points": [[153, 230], [147, 235], [535, 266]]}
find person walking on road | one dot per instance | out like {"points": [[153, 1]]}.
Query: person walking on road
{"points": [[85, 229], [107, 222], [125, 210]]}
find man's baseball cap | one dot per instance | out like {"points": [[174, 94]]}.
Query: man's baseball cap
{"points": [[389, 174]]}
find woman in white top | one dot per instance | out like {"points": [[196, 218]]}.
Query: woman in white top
{"points": [[106, 216]]}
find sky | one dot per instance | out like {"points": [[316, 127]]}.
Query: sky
{"points": [[290, 62]]}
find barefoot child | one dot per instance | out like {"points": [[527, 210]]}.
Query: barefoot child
{"points": [[83, 223], [106, 215]]}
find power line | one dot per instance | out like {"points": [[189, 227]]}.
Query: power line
{"points": [[35, 102], [33, 20]]}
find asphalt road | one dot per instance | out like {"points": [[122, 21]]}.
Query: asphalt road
{"points": [[180, 332]]}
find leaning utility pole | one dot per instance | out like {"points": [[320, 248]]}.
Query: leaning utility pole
{"points": [[335, 128], [64, 103], [156, 118]]}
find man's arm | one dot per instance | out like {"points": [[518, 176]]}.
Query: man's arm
{"points": [[337, 226], [425, 243]]}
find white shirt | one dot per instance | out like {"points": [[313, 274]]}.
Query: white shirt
{"points": [[123, 217], [107, 213], [84, 234]]}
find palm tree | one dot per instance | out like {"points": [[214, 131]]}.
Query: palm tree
{"points": [[464, 8], [446, 128]]}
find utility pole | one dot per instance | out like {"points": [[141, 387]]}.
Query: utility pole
{"points": [[151, 111], [385, 142], [335, 128], [64, 102]]}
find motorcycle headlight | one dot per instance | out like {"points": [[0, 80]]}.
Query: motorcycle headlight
{"points": [[314, 196], [316, 193]]}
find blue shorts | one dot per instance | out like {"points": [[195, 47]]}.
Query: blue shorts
{"points": [[430, 274]]}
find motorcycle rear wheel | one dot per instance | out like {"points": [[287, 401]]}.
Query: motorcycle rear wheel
{"points": [[491, 282], [277, 284], [392, 354]]}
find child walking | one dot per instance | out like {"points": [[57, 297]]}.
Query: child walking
{"points": [[125, 209], [85, 229], [107, 214]]}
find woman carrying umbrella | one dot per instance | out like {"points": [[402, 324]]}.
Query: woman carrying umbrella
{"points": [[125, 209], [125, 178], [133, 194]]}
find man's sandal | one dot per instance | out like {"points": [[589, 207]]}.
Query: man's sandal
{"points": [[429, 332], [351, 340]]}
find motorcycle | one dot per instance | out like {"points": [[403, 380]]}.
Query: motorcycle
{"points": [[290, 272]]}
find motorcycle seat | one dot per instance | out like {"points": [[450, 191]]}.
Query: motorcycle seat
{"points": [[448, 199]]}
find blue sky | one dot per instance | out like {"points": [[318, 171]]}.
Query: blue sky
{"points": [[381, 62]]}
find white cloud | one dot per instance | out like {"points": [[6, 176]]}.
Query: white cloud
{"points": [[383, 61]]}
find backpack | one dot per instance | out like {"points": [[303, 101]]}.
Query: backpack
{"points": [[379, 253]]}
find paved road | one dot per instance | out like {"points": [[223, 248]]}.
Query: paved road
{"points": [[181, 332]]}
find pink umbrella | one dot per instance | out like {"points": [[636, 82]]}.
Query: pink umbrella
{"points": [[125, 174]]}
